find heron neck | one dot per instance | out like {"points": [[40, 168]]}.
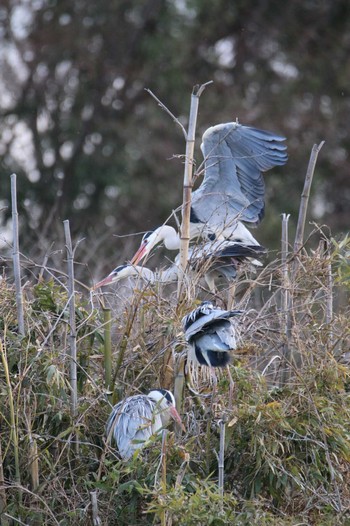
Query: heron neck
{"points": [[170, 237]]}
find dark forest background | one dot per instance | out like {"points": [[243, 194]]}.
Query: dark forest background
{"points": [[89, 144]]}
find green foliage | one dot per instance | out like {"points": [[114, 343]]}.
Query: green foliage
{"points": [[291, 440], [341, 258], [287, 443]]}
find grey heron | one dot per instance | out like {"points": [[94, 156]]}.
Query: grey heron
{"points": [[221, 259], [126, 271], [210, 334], [233, 188], [134, 420]]}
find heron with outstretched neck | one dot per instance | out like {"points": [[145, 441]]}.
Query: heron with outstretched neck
{"points": [[232, 191], [212, 261]]}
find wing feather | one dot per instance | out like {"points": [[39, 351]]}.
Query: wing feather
{"points": [[235, 158], [130, 423]]}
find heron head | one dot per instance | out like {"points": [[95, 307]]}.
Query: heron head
{"points": [[120, 272], [149, 240], [166, 402], [164, 233]]}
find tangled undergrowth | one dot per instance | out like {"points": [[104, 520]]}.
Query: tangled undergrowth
{"points": [[287, 440]]}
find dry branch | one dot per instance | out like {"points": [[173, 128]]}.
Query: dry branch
{"points": [[299, 236]]}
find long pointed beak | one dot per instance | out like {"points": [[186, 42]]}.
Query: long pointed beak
{"points": [[103, 282], [175, 415], [139, 254]]}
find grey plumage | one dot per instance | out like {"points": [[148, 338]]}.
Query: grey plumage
{"points": [[210, 334], [233, 188], [134, 420]]}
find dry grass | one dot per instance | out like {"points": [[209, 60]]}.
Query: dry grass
{"points": [[287, 448]]}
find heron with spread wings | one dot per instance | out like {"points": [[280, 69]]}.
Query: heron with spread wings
{"points": [[232, 191]]}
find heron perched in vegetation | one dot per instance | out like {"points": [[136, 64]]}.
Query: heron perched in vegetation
{"points": [[213, 260], [210, 334], [134, 420], [232, 190]]}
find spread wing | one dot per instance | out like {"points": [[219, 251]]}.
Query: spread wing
{"points": [[233, 188]]}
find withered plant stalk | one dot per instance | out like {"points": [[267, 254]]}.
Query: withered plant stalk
{"points": [[304, 201]]}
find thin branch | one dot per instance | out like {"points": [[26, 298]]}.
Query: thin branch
{"points": [[175, 119]]}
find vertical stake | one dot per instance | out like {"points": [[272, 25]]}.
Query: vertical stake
{"points": [[15, 256], [221, 461], [286, 300], [72, 326], [187, 185], [107, 351]]}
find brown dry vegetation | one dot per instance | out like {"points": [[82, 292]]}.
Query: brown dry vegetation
{"points": [[287, 442]]}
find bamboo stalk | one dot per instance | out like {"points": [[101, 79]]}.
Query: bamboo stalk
{"points": [[164, 485], [15, 256], [329, 293], [96, 521], [299, 236], [33, 462], [14, 432], [72, 326], [179, 387], [107, 322], [3, 501], [221, 461], [188, 183], [286, 301]]}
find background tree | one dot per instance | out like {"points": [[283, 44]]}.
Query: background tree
{"points": [[89, 144]]}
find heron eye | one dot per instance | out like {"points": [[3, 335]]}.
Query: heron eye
{"points": [[146, 236]]}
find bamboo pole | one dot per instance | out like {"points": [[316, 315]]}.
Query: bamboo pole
{"points": [[13, 422], [72, 326], [286, 301], [3, 502], [299, 236], [179, 386], [107, 347], [329, 293], [221, 462], [188, 183], [164, 484], [15, 256], [96, 521]]}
